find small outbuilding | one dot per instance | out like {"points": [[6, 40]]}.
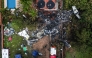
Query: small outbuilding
{"points": [[5, 53]]}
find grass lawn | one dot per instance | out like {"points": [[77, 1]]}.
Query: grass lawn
{"points": [[16, 42]]}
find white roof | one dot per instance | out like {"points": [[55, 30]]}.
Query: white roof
{"points": [[24, 34], [53, 51], [5, 53]]}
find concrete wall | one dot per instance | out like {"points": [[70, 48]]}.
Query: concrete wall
{"points": [[5, 3]]}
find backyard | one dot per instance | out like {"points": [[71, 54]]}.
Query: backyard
{"points": [[18, 23], [15, 44]]}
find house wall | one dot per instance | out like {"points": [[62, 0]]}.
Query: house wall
{"points": [[1, 30], [2, 33], [5, 3]]}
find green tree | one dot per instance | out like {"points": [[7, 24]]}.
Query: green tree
{"points": [[81, 30], [29, 8]]}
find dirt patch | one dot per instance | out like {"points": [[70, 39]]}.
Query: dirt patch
{"points": [[43, 46]]}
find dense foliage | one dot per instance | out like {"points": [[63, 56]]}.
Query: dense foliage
{"points": [[81, 30], [29, 8]]}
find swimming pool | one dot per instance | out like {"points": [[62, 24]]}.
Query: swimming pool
{"points": [[11, 4]]}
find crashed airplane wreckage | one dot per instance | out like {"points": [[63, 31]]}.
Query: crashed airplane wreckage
{"points": [[52, 27]]}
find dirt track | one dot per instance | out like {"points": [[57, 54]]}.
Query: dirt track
{"points": [[43, 46]]}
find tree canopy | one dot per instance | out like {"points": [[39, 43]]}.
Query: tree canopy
{"points": [[29, 8], [81, 30]]}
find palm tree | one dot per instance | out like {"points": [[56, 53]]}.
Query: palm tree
{"points": [[33, 14], [29, 9]]}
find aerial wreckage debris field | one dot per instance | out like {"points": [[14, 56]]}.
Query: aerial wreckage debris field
{"points": [[50, 38], [52, 31]]}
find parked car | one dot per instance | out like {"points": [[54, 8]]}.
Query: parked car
{"points": [[53, 52]]}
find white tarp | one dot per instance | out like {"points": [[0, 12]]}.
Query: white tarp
{"points": [[5, 53], [24, 34]]}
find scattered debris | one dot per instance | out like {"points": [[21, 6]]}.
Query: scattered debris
{"points": [[24, 34], [8, 31], [18, 56], [10, 38], [76, 12]]}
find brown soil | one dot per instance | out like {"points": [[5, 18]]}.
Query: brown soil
{"points": [[43, 46]]}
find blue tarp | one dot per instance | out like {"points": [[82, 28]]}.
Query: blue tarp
{"points": [[11, 4], [35, 53], [18, 56]]}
